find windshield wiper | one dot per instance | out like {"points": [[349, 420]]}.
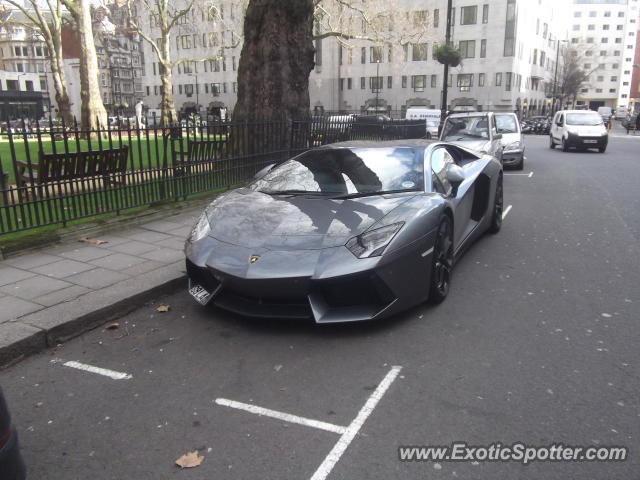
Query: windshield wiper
{"points": [[373, 194], [295, 192]]}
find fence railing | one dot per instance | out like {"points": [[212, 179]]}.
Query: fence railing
{"points": [[56, 173]]}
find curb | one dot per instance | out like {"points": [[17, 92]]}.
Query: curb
{"points": [[30, 339]]}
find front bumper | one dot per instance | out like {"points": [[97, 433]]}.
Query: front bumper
{"points": [[289, 285], [512, 157], [578, 141]]}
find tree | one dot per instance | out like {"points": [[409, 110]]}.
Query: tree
{"points": [[572, 76], [167, 18], [92, 111], [47, 23], [278, 43]]}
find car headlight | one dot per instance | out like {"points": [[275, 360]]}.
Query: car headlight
{"points": [[201, 228], [373, 242], [513, 146]]}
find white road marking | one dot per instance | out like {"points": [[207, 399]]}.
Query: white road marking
{"points": [[352, 430], [506, 211], [282, 416], [529, 175], [100, 371], [428, 252]]}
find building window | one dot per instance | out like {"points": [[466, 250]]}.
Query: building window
{"points": [[577, 14], [465, 81], [620, 14], [590, 40], [576, 28], [591, 27], [592, 14], [605, 27], [620, 27], [434, 81], [436, 18], [604, 40], [612, 90], [467, 48], [375, 54], [469, 15], [481, 79], [607, 14], [485, 13], [376, 84], [483, 48], [363, 83], [341, 82], [545, 30], [417, 82], [420, 18], [510, 29], [404, 81], [389, 82], [363, 55], [419, 52], [614, 78], [13, 85], [349, 83], [498, 79]]}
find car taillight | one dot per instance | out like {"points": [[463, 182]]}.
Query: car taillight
{"points": [[4, 437]]}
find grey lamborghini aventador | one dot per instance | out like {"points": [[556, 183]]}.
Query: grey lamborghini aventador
{"points": [[345, 232]]}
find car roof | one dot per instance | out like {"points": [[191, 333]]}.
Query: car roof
{"points": [[577, 111], [410, 143], [469, 114]]}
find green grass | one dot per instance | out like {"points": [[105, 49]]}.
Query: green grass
{"points": [[144, 153]]}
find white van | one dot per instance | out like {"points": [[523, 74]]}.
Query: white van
{"points": [[580, 129], [431, 117]]}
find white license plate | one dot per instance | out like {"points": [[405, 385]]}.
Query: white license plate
{"points": [[590, 141], [200, 293]]}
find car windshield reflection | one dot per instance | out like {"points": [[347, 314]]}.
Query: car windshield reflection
{"points": [[345, 171], [456, 129]]}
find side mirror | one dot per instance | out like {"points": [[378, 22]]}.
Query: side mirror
{"points": [[261, 173], [455, 176], [498, 136]]}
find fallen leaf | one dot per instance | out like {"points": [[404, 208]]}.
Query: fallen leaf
{"points": [[163, 308], [113, 326], [190, 460], [92, 241]]}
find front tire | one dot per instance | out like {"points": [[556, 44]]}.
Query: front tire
{"points": [[552, 144], [602, 149], [442, 262], [565, 145], [520, 164], [498, 202]]}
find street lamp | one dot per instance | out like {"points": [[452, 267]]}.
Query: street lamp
{"points": [[555, 75], [377, 82]]}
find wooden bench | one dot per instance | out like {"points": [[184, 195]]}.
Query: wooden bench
{"points": [[108, 165]]}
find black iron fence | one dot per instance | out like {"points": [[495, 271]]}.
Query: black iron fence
{"points": [[56, 173]]}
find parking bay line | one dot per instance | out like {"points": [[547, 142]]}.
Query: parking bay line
{"points": [[93, 369], [347, 434], [506, 211], [329, 427], [529, 175]]}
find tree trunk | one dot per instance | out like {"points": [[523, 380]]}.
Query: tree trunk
{"points": [[276, 60], [92, 110], [59, 79], [166, 77]]}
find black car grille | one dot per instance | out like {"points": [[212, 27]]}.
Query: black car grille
{"points": [[202, 277], [356, 290]]}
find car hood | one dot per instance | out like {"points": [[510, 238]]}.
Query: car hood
{"points": [[479, 145], [509, 138], [248, 218]]}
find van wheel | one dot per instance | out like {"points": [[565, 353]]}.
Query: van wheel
{"points": [[565, 145], [552, 144]]}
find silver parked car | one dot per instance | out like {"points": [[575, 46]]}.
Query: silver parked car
{"points": [[346, 232], [512, 140], [474, 130]]}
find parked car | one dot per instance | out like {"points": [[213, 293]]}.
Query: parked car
{"points": [[11, 463], [346, 232], [429, 115], [630, 122], [474, 130], [621, 113], [512, 140], [578, 129], [606, 114]]}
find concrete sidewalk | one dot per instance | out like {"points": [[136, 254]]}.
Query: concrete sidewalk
{"points": [[56, 293]]}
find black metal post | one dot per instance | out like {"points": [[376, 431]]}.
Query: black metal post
{"points": [[555, 78], [377, 83], [445, 81]]}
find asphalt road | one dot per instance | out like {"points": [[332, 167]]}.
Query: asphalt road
{"points": [[538, 342]]}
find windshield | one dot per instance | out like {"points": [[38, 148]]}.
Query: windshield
{"points": [[343, 171], [466, 127], [506, 124], [584, 119]]}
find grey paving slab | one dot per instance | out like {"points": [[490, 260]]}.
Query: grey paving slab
{"points": [[162, 226], [34, 287], [142, 268], [12, 307], [97, 278], [61, 296], [173, 243], [63, 268], [10, 275], [31, 260], [134, 248], [183, 231], [148, 236], [84, 254], [165, 255], [118, 261]]}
